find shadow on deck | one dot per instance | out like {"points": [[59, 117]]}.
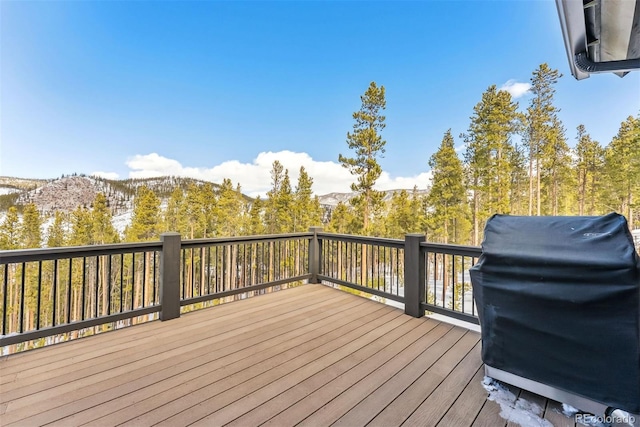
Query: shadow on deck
{"points": [[310, 355]]}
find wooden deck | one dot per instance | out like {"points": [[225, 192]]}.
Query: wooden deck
{"points": [[311, 356]]}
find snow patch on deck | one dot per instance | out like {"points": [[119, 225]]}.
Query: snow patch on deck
{"points": [[517, 410]]}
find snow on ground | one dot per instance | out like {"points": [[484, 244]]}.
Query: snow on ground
{"points": [[120, 222], [517, 410], [8, 190]]}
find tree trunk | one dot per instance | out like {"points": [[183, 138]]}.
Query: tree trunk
{"points": [[530, 180], [538, 186]]}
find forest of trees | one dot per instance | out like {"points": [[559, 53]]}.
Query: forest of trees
{"points": [[516, 160]]}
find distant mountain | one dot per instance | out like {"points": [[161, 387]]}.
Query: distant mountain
{"points": [[67, 193], [10, 184], [332, 199]]}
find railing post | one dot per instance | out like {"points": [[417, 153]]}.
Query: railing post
{"points": [[170, 276], [414, 275], [315, 251]]}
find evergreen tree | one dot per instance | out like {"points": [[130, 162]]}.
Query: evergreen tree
{"points": [[256, 222], [279, 204], [342, 220], [56, 235], [30, 233], [368, 146], [230, 208], [589, 160], [555, 171], [103, 230], [81, 227], [404, 214], [10, 230], [307, 211], [193, 212], [488, 145], [145, 221], [173, 219], [519, 180], [541, 120], [623, 170], [209, 200], [447, 201]]}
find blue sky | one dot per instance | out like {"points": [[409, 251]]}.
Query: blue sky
{"points": [[221, 89]]}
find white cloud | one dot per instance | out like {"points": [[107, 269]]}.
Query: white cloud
{"points": [[255, 178], [106, 175], [516, 89]]}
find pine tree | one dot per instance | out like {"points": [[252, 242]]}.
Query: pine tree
{"points": [[193, 212], [145, 222], [30, 233], [279, 203], [230, 208], [368, 145], [447, 201], [342, 220], [102, 226], [540, 119], [404, 214], [519, 180], [173, 219], [56, 234], [10, 230], [307, 211], [256, 222], [555, 171], [488, 145], [589, 159], [623, 170], [81, 227]]}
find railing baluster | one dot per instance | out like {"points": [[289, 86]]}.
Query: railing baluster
{"points": [[39, 294], [108, 298], [193, 273], [155, 279], [69, 286], [133, 279], [464, 285], [121, 283], [5, 288], [84, 277], [22, 298], [97, 294], [55, 291]]}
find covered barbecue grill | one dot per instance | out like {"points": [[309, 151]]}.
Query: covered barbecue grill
{"points": [[559, 305]]}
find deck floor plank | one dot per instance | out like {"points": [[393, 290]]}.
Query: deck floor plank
{"points": [[51, 376], [490, 413], [398, 404], [468, 405], [309, 355], [104, 341], [343, 345], [377, 353], [355, 382], [195, 369], [162, 354], [553, 414], [400, 374]]}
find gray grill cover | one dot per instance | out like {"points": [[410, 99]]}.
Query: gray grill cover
{"points": [[559, 303]]}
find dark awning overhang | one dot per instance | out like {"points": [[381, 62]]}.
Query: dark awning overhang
{"points": [[601, 36]]}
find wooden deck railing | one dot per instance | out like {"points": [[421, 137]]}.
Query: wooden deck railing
{"points": [[74, 290]]}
